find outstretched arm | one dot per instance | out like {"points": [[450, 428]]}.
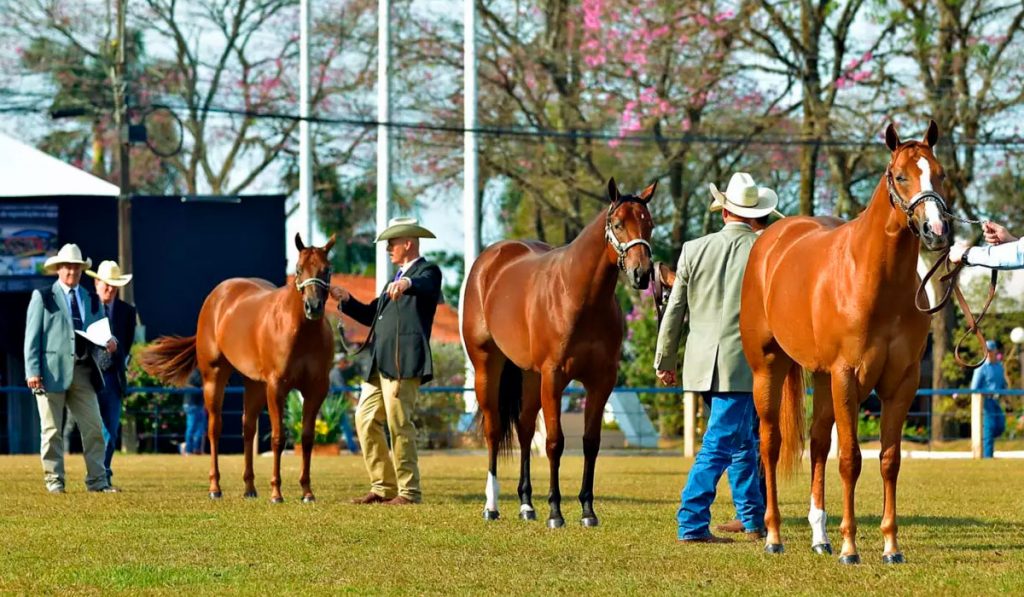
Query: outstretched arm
{"points": [[672, 324]]}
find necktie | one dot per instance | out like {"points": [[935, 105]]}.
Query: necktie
{"points": [[398, 275], [76, 316]]}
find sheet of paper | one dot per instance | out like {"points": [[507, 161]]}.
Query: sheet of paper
{"points": [[98, 332]]}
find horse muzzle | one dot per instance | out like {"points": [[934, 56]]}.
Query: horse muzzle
{"points": [[936, 238], [640, 277], [314, 310]]}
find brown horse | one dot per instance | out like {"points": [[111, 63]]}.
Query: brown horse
{"points": [[534, 318], [277, 339], [838, 299]]}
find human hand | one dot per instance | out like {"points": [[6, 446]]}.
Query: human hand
{"points": [[957, 251], [996, 234], [112, 345], [34, 382], [667, 377], [397, 289], [340, 294]]}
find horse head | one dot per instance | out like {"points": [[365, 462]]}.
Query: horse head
{"points": [[917, 186], [313, 276], [628, 232]]}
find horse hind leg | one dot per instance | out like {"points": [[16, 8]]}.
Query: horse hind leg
{"points": [[214, 380], [525, 428], [255, 398], [489, 369], [821, 443], [769, 378]]}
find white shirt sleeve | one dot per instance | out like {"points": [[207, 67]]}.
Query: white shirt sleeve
{"points": [[1004, 256]]}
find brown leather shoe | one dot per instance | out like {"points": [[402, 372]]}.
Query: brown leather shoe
{"points": [[370, 498], [399, 501], [733, 526], [707, 539]]}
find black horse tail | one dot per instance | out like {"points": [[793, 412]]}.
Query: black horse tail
{"points": [[510, 402]]}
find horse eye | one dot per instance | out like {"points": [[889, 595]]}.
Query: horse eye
{"points": [[901, 179], [618, 225]]}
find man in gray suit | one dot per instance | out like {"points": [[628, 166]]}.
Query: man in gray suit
{"points": [[709, 279], [60, 369]]}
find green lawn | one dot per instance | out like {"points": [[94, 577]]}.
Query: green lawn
{"points": [[962, 529]]}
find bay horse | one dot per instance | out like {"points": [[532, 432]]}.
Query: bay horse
{"points": [[277, 339], [534, 318], [838, 299]]}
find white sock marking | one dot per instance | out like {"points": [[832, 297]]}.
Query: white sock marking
{"points": [[816, 517], [492, 492]]}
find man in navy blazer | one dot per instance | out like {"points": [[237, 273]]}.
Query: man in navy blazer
{"points": [[59, 367], [108, 278]]}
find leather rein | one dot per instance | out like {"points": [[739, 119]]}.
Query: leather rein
{"points": [[950, 275]]}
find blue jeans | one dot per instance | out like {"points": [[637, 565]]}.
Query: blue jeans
{"points": [[728, 443], [195, 428], [738, 469], [110, 412], [350, 438], [993, 425]]}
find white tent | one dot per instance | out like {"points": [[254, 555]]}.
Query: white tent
{"points": [[27, 172]]}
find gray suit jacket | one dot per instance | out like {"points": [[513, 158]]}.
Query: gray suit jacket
{"points": [[50, 337], [709, 279]]}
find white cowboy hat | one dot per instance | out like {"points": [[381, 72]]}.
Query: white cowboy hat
{"points": [[744, 198], [110, 272], [69, 253], [404, 228]]}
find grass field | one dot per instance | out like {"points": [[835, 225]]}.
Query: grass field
{"points": [[961, 527]]}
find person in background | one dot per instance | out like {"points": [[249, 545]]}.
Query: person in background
{"points": [[990, 377], [60, 369], [195, 416], [341, 376]]}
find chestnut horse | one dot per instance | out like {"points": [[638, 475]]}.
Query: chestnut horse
{"points": [[838, 299], [534, 318], [277, 339]]}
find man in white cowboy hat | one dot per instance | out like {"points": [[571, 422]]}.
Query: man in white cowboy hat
{"points": [[709, 278], [59, 368], [400, 320], [108, 278]]}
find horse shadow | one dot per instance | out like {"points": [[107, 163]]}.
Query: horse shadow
{"points": [[538, 498]]}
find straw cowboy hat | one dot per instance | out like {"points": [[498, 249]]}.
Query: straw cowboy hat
{"points": [[404, 228], [744, 198], [110, 272], [69, 253]]}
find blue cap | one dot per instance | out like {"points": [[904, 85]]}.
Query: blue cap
{"points": [[991, 344]]}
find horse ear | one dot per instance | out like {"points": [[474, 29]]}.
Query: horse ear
{"points": [[647, 194], [330, 242], [892, 138], [298, 242], [931, 136], [613, 190]]}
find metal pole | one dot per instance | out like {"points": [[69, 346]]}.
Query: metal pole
{"points": [[689, 424], [470, 204], [124, 206], [383, 134], [976, 427], [306, 207]]}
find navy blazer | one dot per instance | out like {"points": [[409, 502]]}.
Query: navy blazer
{"points": [[122, 326]]}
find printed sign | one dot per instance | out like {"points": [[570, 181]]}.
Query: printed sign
{"points": [[28, 236]]}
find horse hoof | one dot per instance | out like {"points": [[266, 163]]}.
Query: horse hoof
{"points": [[249, 495], [528, 515], [774, 548], [556, 523], [822, 549], [851, 559], [894, 558], [491, 515], [307, 499], [589, 521], [277, 500], [216, 495]]}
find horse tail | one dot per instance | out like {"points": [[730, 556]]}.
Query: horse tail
{"points": [[510, 402], [170, 359], [791, 420]]}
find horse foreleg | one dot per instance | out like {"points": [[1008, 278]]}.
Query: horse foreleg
{"points": [[821, 442], [526, 426], [552, 387], [275, 406], [894, 414], [597, 397], [846, 398], [314, 399], [254, 399]]}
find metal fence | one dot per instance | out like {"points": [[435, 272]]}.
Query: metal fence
{"points": [[153, 419]]}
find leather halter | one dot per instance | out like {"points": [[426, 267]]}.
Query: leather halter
{"points": [[909, 207], [619, 246]]}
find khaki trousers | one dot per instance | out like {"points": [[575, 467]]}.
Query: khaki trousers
{"points": [[392, 401], [81, 401]]}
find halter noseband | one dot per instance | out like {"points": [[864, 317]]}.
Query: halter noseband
{"points": [[314, 281], [909, 207], [619, 246]]}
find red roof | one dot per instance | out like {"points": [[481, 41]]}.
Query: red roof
{"points": [[446, 321]]}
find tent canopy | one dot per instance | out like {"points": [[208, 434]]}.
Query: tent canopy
{"points": [[27, 172]]}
